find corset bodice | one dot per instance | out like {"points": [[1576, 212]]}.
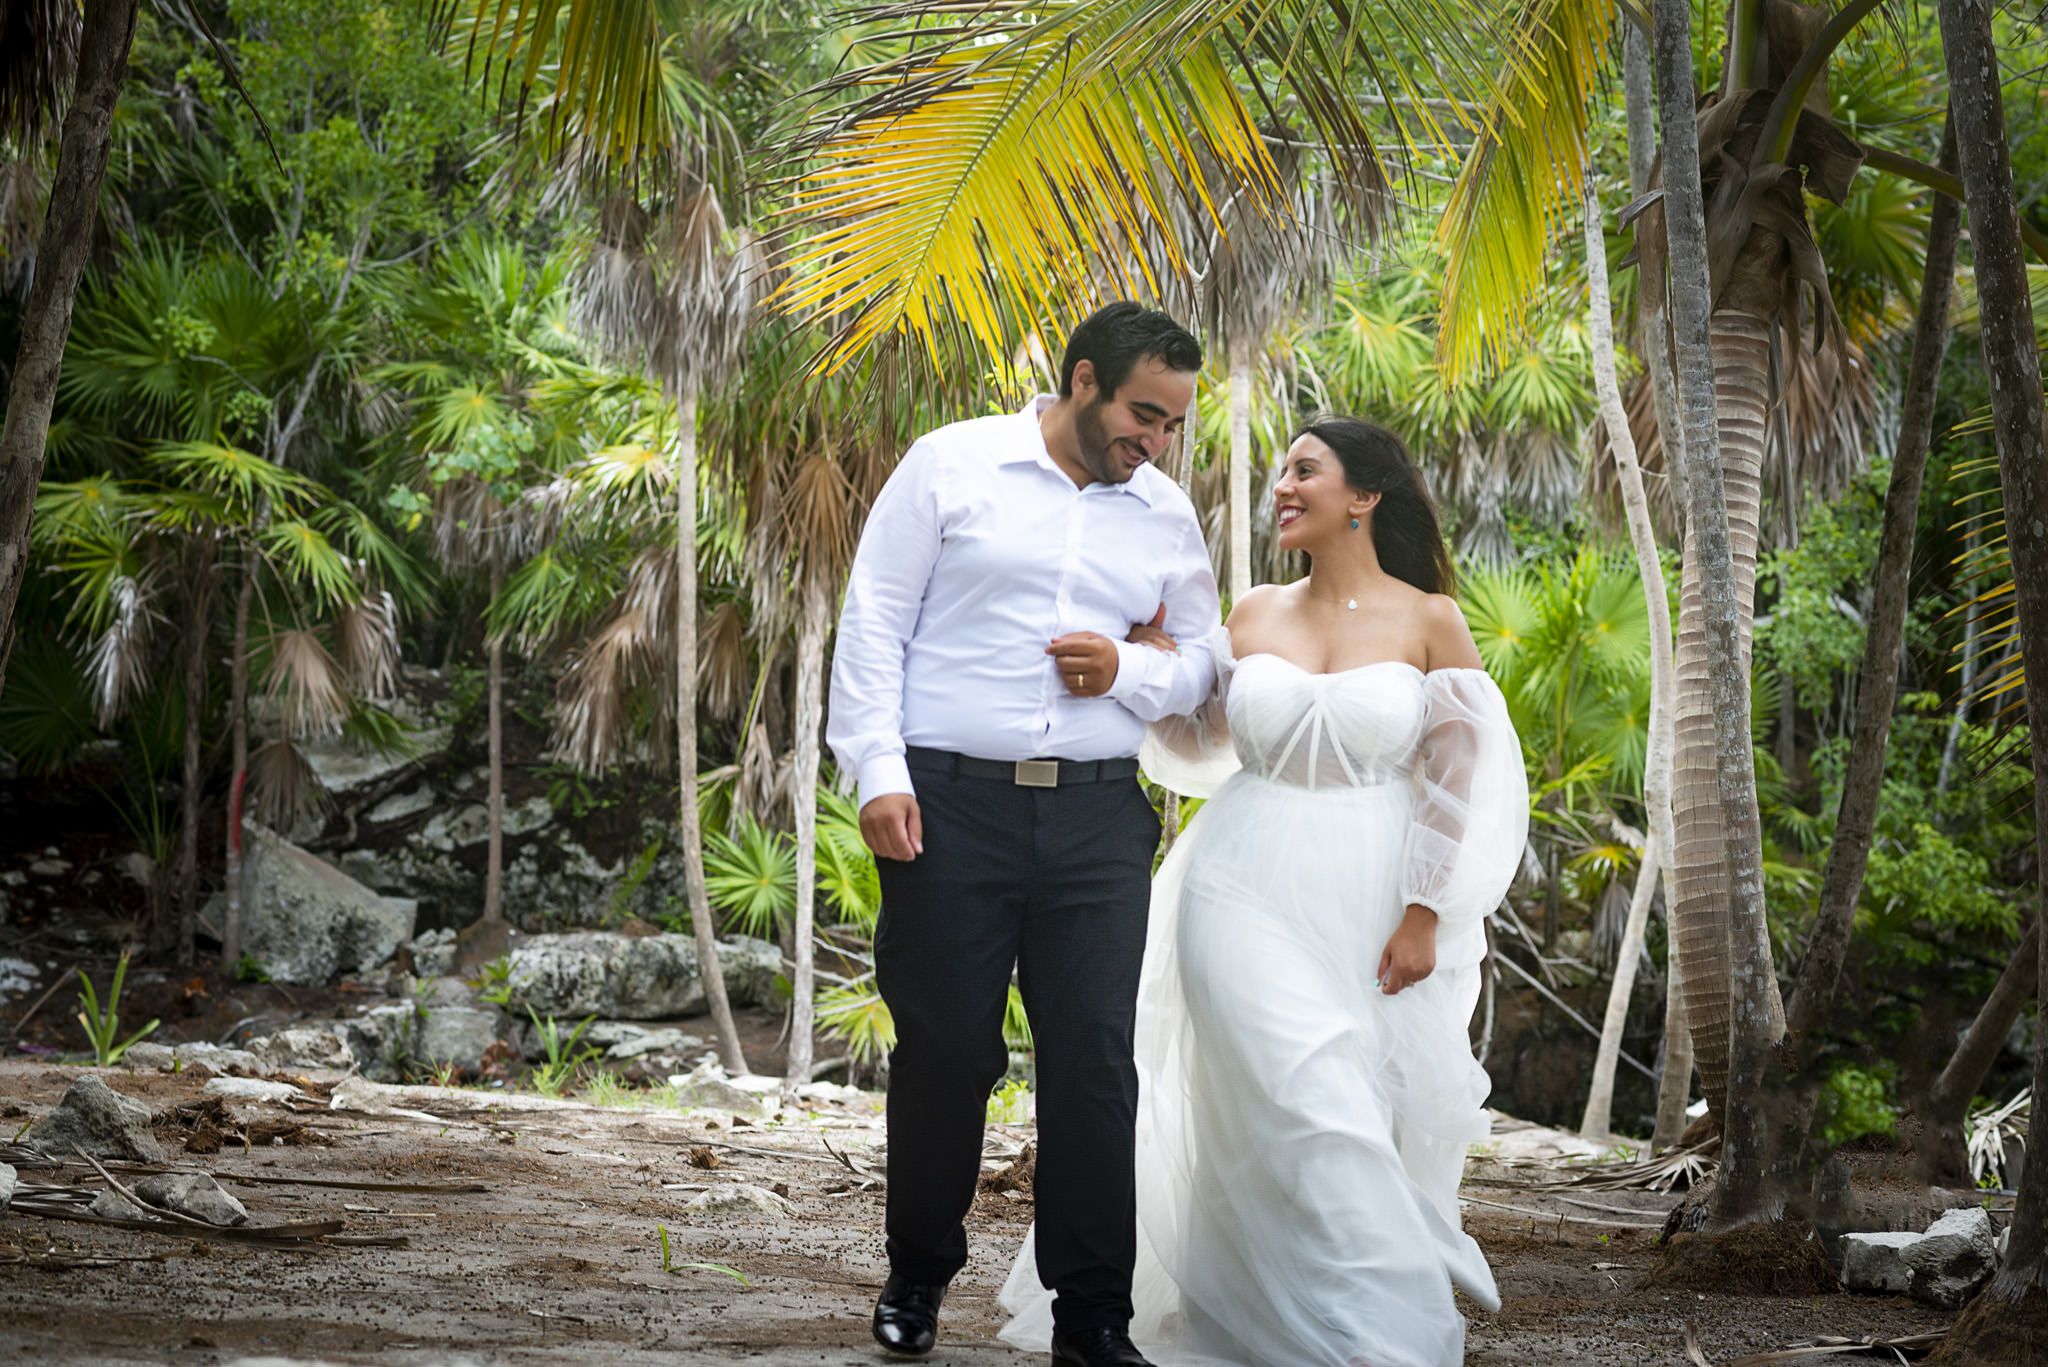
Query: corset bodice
{"points": [[1352, 728]]}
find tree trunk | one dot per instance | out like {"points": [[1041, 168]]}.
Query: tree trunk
{"points": [[1841, 886], [1240, 477], [812, 627], [730, 1055], [494, 850], [238, 731], [60, 262], [1940, 1146], [198, 611], [1183, 472], [2021, 431], [1657, 762], [1674, 1087], [1967, 684], [1721, 588]]}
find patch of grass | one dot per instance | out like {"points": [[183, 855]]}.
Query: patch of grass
{"points": [[103, 1024], [606, 1088], [1010, 1104], [668, 1265], [564, 1057]]}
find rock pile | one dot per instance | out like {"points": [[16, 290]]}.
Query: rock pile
{"points": [[1943, 1266]]}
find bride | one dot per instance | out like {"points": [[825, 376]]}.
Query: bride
{"points": [[1307, 1089]]}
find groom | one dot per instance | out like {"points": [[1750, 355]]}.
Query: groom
{"points": [[984, 693]]}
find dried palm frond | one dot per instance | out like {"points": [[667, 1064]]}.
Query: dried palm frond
{"points": [[1675, 1167], [38, 54], [466, 521], [366, 643], [117, 661], [23, 192], [307, 684], [284, 792], [625, 657], [764, 783], [722, 660]]}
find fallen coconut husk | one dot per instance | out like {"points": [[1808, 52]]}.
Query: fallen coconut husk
{"points": [[1770, 1258], [1018, 1177]]}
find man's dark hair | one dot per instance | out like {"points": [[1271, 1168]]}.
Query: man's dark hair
{"points": [[1116, 336]]}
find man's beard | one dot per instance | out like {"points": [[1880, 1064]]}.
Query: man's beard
{"points": [[1098, 456]]}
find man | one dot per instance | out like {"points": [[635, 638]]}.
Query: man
{"points": [[984, 693]]}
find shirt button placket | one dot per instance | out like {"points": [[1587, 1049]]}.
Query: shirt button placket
{"points": [[1063, 601]]}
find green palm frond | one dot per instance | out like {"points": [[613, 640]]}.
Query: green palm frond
{"points": [[751, 874], [243, 477], [596, 64], [857, 1014], [303, 553], [846, 867], [1520, 181]]}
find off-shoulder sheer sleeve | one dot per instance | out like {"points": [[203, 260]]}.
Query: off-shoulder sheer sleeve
{"points": [[1192, 754], [1473, 819]]}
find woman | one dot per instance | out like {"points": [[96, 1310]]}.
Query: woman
{"points": [[1307, 1091]]}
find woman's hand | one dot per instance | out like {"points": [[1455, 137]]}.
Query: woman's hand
{"points": [[1410, 956], [1152, 633]]}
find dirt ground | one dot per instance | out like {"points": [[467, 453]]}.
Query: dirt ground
{"points": [[559, 1260]]}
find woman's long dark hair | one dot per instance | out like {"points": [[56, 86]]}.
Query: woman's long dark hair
{"points": [[1405, 532]]}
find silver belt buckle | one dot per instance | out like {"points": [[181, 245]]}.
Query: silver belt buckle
{"points": [[1038, 773]]}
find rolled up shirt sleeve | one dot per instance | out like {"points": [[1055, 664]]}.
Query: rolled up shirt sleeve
{"points": [[891, 569], [1153, 684]]}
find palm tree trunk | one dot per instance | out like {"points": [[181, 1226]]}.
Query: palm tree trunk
{"points": [[1731, 350], [1657, 762], [238, 730], [730, 1056], [1240, 476], [494, 851], [1183, 473], [1703, 915], [812, 626], [198, 610], [1674, 1086], [2014, 367], [1841, 886], [60, 261], [1940, 1149]]}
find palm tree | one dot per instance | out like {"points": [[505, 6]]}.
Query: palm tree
{"points": [[678, 307], [2015, 1304]]}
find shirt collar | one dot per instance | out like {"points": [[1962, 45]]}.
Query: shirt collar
{"points": [[1030, 449]]}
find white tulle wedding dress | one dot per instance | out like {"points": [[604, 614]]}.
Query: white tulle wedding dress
{"points": [[1300, 1133]]}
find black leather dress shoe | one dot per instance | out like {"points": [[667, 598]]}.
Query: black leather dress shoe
{"points": [[1095, 1348], [907, 1315]]}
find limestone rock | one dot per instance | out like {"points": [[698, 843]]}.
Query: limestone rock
{"points": [[379, 1038], [708, 1088], [1877, 1263], [96, 1118], [433, 953], [623, 977], [639, 1042], [739, 1198], [215, 1058], [399, 806], [194, 1194], [112, 1205], [6, 1185], [302, 1046], [250, 1089], [306, 920], [1956, 1255], [456, 1035]]}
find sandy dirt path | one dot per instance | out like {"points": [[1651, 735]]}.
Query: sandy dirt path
{"points": [[558, 1260]]}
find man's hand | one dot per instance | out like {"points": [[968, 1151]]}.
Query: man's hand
{"points": [[1087, 663], [1153, 633], [892, 827], [1410, 956]]}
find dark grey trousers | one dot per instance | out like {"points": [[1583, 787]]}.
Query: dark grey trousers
{"points": [[1057, 883]]}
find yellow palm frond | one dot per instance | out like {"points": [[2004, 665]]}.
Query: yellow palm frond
{"points": [[1520, 181], [995, 189]]}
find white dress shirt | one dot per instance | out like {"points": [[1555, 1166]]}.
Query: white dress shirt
{"points": [[978, 552]]}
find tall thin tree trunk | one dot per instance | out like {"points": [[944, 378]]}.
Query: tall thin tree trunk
{"points": [[198, 612], [1718, 589], [2021, 433], [494, 850], [1841, 885], [1973, 611], [812, 626], [730, 1056], [1674, 1086], [1657, 762], [238, 731], [1240, 476], [1941, 1151], [60, 261]]}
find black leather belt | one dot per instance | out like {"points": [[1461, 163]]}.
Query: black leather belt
{"points": [[1028, 773]]}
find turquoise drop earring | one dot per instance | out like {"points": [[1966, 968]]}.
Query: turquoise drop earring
{"points": [[1354, 524]]}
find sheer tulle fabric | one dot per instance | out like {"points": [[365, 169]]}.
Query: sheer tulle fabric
{"points": [[1300, 1133]]}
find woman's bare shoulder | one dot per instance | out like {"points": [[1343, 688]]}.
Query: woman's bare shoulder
{"points": [[1445, 637], [1260, 602]]}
